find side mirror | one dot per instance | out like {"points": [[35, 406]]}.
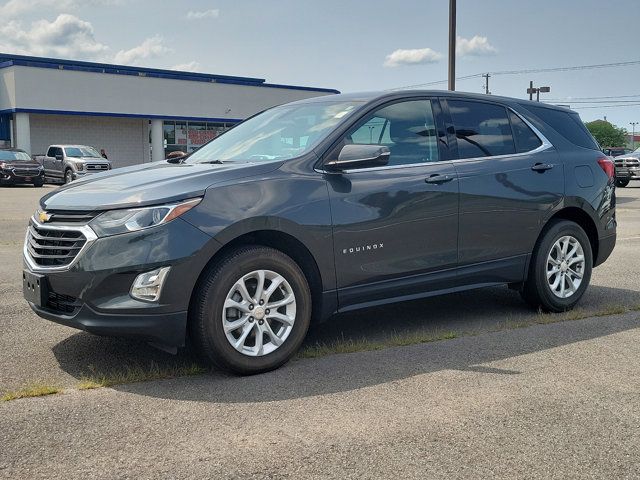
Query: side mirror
{"points": [[58, 157], [360, 156]]}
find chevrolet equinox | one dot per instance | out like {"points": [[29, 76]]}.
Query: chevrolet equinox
{"points": [[326, 205]]}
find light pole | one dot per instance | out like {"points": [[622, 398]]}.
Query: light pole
{"points": [[452, 45], [633, 134], [531, 90]]}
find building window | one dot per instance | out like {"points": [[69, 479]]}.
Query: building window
{"points": [[188, 136]]}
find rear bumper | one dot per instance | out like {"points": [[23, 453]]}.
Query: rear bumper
{"points": [[166, 329], [605, 247]]}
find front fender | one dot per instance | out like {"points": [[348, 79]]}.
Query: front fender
{"points": [[297, 205]]}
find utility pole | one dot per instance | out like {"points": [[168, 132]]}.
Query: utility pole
{"points": [[486, 83], [452, 45], [633, 135], [531, 90]]}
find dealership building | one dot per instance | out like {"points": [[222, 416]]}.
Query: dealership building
{"points": [[136, 114]]}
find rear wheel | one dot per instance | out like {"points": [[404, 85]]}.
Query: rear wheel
{"points": [[560, 269], [251, 311], [621, 183]]}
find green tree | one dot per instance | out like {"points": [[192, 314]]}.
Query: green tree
{"points": [[607, 134]]}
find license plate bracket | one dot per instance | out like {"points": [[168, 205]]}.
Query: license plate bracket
{"points": [[35, 288]]}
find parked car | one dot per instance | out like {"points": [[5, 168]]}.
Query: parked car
{"points": [[627, 168], [326, 205], [70, 162], [615, 151], [17, 167]]}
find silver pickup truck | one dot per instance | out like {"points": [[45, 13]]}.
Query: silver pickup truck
{"points": [[70, 162]]}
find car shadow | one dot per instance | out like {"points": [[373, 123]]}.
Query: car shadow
{"points": [[622, 200], [495, 310]]}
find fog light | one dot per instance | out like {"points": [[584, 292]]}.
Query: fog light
{"points": [[148, 286]]}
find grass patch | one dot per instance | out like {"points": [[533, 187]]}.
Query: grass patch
{"points": [[364, 345], [34, 390], [412, 338], [139, 373]]}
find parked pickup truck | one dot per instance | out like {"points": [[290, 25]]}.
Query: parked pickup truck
{"points": [[70, 162]]}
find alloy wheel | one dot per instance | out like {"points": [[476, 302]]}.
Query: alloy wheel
{"points": [[259, 312], [565, 266]]}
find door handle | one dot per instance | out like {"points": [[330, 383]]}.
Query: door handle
{"points": [[542, 167], [438, 178]]}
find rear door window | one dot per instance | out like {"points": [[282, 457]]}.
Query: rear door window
{"points": [[567, 124], [482, 129], [526, 140]]}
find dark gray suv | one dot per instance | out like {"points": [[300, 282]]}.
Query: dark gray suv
{"points": [[322, 206]]}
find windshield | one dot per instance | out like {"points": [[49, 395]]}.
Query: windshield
{"points": [[82, 152], [276, 134], [9, 155]]}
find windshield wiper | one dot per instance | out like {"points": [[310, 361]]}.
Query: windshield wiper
{"points": [[217, 162]]}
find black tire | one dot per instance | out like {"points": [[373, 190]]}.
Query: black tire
{"points": [[38, 183], [205, 313], [621, 183], [536, 290], [68, 176]]}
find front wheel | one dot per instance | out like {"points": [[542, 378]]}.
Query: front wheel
{"points": [[68, 176], [38, 183], [251, 311], [560, 269], [621, 183]]}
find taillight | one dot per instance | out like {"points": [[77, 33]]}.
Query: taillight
{"points": [[607, 166]]}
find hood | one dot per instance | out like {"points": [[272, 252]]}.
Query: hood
{"points": [[21, 163], [147, 184]]}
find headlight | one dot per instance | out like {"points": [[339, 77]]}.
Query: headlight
{"points": [[133, 219], [79, 166]]}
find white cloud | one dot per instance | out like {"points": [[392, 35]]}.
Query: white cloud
{"points": [[14, 8], [213, 13], [475, 46], [67, 36], [413, 56], [187, 67], [152, 47]]}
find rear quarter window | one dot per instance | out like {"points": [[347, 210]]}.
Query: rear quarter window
{"points": [[567, 124]]}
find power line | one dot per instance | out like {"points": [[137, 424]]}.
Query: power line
{"points": [[570, 99], [607, 106], [529, 71], [595, 101]]}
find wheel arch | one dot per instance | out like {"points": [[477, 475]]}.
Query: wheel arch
{"points": [[290, 246], [582, 218]]}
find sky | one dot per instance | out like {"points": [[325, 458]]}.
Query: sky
{"points": [[355, 45]]}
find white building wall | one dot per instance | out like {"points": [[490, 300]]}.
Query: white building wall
{"points": [[126, 140], [65, 90]]}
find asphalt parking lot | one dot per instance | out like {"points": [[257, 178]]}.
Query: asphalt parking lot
{"points": [[556, 400]]}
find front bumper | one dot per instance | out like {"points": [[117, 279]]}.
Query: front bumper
{"points": [[93, 294], [632, 173], [166, 329], [9, 177]]}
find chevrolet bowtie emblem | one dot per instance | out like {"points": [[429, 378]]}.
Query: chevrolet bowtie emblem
{"points": [[43, 216]]}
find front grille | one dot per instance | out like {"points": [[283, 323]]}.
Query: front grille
{"points": [[53, 247], [62, 216], [26, 172], [627, 162], [61, 303], [97, 167]]}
